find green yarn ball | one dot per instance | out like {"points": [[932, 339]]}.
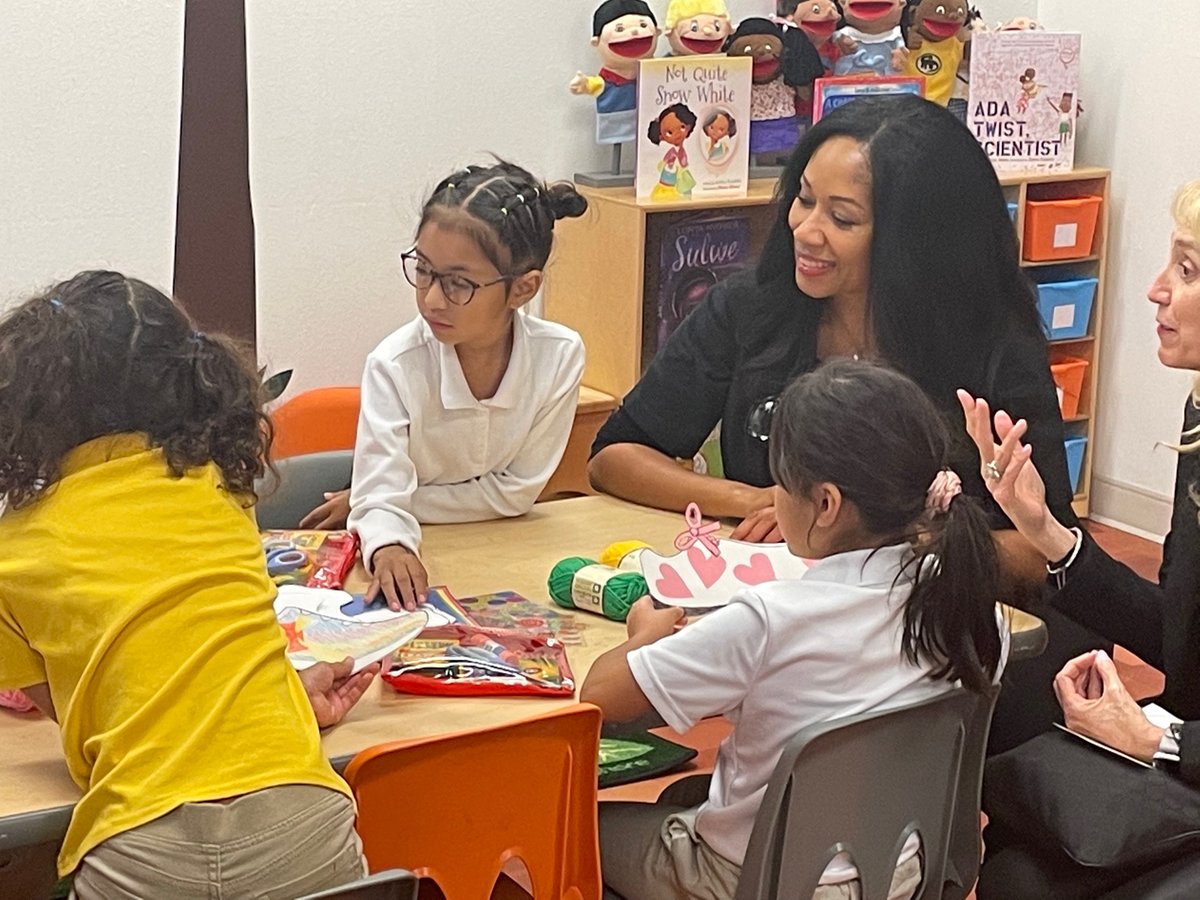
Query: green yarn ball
{"points": [[621, 589]]}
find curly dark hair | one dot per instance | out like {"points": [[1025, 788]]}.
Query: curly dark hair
{"points": [[104, 354]]}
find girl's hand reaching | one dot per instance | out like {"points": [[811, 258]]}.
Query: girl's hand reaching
{"points": [[647, 624], [1012, 478], [330, 515], [400, 576]]}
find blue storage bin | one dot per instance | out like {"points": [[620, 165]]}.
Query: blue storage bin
{"points": [[1075, 447], [1012, 212], [1066, 307]]}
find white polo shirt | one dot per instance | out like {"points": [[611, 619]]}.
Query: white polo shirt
{"points": [[782, 656], [428, 452]]}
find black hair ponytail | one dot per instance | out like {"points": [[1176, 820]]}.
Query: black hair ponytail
{"points": [[507, 211], [950, 615], [876, 435]]}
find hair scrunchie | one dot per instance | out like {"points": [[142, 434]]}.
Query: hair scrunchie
{"points": [[946, 486]]}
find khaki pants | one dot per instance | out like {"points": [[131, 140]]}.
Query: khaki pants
{"points": [[650, 851], [281, 842]]}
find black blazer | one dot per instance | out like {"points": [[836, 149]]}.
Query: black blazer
{"points": [[746, 341], [1159, 622]]}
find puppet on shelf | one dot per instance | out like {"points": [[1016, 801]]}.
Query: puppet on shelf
{"points": [[783, 73], [697, 26], [935, 37], [818, 20], [870, 42], [623, 32]]}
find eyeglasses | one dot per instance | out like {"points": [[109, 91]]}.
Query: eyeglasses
{"points": [[456, 288], [758, 421]]}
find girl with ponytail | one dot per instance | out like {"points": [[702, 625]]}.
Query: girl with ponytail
{"points": [[898, 605], [136, 609]]}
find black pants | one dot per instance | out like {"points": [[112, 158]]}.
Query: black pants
{"points": [[1027, 705], [1013, 869]]}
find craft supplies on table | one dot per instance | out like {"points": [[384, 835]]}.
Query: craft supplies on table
{"points": [[317, 559]]}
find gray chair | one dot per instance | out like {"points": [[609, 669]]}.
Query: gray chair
{"points": [[966, 846], [861, 785], [393, 884], [302, 480]]}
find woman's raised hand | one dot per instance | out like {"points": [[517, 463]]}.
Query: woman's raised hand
{"points": [[1008, 472]]}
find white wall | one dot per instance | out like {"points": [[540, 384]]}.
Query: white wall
{"points": [[89, 138], [1138, 94], [356, 111], [358, 108]]}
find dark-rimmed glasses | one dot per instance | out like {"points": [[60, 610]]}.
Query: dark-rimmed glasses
{"points": [[457, 289], [758, 420]]}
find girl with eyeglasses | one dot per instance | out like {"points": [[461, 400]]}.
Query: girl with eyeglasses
{"points": [[466, 410]]}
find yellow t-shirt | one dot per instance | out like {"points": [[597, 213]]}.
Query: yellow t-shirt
{"points": [[143, 599], [937, 62]]}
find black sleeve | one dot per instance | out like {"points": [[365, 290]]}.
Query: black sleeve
{"points": [[1023, 387], [1189, 753], [681, 397], [1112, 600]]}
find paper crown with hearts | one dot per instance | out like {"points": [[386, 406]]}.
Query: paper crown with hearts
{"points": [[708, 570]]}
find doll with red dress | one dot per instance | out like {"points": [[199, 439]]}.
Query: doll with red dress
{"points": [[624, 32], [697, 26], [871, 41], [783, 69]]}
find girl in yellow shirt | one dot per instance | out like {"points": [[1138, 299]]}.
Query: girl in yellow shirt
{"points": [[135, 606]]}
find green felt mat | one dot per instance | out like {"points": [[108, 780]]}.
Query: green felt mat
{"points": [[637, 756]]}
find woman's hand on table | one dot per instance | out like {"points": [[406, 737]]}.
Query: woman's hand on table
{"points": [[1012, 478], [759, 524], [1096, 704], [330, 515], [399, 575], [333, 690]]}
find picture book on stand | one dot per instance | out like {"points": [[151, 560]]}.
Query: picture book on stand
{"points": [[693, 131], [1024, 96], [697, 251]]}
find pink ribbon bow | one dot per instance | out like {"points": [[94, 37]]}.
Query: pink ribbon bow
{"points": [[698, 531]]}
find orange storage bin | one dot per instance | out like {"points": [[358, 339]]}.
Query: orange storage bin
{"points": [[1068, 375], [1060, 229]]}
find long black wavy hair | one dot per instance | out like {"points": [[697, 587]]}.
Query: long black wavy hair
{"points": [[946, 287]]}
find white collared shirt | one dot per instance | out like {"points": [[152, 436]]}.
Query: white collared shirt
{"points": [[782, 656], [429, 452]]}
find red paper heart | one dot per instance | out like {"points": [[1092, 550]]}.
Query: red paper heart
{"points": [[709, 568], [757, 571], [669, 584]]}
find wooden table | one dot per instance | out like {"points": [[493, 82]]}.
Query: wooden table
{"points": [[37, 795]]}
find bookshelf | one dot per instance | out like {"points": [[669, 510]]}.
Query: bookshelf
{"points": [[1079, 182]]}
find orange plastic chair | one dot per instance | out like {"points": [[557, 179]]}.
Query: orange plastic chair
{"points": [[317, 420], [456, 808]]}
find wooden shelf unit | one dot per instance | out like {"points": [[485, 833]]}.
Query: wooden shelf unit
{"points": [[604, 281], [1079, 182]]}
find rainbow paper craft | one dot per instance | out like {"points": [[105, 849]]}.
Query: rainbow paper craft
{"points": [[314, 638]]}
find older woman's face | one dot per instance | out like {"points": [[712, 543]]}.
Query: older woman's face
{"points": [[1176, 293], [832, 223]]}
